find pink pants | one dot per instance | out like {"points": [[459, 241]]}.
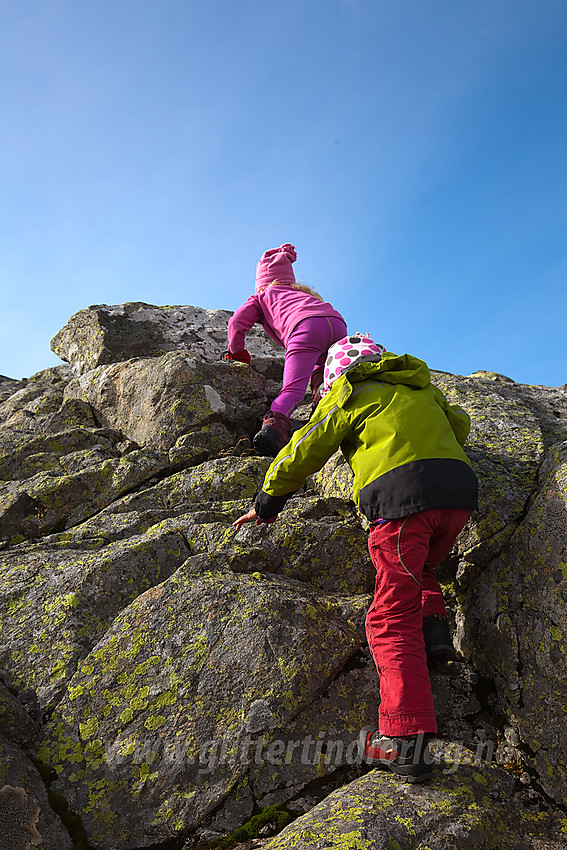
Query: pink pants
{"points": [[306, 350], [405, 553]]}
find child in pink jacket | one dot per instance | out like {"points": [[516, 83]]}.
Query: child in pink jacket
{"points": [[297, 319]]}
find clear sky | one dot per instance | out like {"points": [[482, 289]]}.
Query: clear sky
{"points": [[414, 151]]}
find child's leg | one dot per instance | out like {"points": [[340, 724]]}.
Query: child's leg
{"points": [[398, 549], [307, 346], [432, 602], [442, 540]]}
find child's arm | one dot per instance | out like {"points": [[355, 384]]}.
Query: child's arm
{"points": [[459, 420], [241, 321], [308, 450], [251, 516]]}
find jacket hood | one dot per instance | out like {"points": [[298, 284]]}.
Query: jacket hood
{"points": [[346, 353], [393, 369]]}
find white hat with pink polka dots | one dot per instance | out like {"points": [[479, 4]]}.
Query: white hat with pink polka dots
{"points": [[349, 352]]}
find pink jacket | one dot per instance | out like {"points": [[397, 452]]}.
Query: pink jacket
{"points": [[278, 308]]}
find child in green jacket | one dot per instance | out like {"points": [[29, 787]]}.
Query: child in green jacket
{"points": [[415, 484]]}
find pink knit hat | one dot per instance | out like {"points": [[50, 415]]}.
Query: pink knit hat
{"points": [[348, 352], [275, 264]]}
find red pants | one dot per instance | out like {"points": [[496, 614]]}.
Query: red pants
{"points": [[405, 553]]}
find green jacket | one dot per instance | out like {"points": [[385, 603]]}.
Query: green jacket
{"points": [[399, 434]]}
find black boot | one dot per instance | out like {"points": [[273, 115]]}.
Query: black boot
{"points": [[408, 756], [273, 435], [438, 645]]}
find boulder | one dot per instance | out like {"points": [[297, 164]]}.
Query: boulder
{"points": [[162, 719], [468, 805], [8, 386], [316, 539], [16, 721], [513, 626], [37, 396], [210, 493], [74, 488], [156, 401], [24, 454], [27, 819], [56, 601], [105, 334]]}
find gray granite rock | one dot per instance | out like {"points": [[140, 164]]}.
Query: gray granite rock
{"points": [[155, 401], [196, 679], [26, 818], [104, 334], [467, 804]]}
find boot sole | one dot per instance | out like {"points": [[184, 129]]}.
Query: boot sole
{"points": [[399, 771]]}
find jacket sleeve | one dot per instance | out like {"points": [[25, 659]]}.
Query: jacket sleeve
{"points": [[459, 420], [308, 450], [241, 321]]}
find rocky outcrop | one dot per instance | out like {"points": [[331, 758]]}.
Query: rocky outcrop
{"points": [[165, 678], [105, 334], [177, 693], [514, 623], [482, 809], [26, 817], [160, 400]]}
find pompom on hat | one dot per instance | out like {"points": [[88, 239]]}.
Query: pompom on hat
{"points": [[275, 264], [347, 353]]}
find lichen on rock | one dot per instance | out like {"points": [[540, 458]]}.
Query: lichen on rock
{"points": [[161, 704], [27, 821], [19, 815]]}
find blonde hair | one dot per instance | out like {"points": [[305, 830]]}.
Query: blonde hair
{"points": [[302, 287]]}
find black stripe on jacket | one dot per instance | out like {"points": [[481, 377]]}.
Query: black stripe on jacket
{"points": [[420, 485]]}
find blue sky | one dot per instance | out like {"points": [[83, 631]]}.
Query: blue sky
{"points": [[413, 151]]}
